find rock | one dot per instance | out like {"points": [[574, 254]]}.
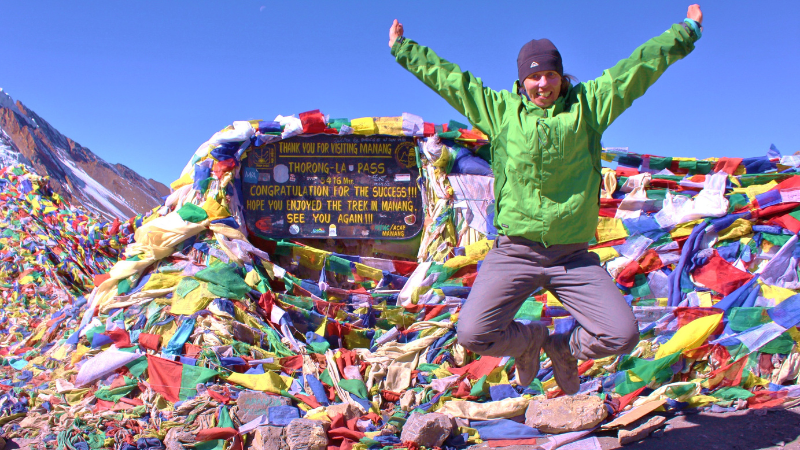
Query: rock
{"points": [[31, 420], [564, 414], [171, 441], [282, 415], [268, 438], [427, 430], [626, 437], [177, 437], [252, 404], [408, 400], [306, 434], [348, 410]]}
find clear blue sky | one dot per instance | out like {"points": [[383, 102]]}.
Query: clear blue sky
{"points": [[144, 83]]}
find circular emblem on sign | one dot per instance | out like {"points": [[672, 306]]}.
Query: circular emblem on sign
{"points": [[281, 173], [405, 154], [294, 229], [264, 157], [410, 219], [264, 224]]}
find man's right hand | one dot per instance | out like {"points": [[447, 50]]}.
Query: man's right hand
{"points": [[694, 13], [395, 31]]}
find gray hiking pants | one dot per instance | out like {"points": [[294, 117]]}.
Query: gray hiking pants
{"points": [[514, 269]]}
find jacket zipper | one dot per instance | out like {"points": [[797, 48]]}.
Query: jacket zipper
{"points": [[541, 186]]}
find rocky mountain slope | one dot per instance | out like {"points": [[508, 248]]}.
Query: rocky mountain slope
{"points": [[80, 176]]}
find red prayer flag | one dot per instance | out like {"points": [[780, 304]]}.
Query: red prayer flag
{"points": [[221, 167], [477, 369], [720, 275], [309, 400], [120, 337], [627, 276], [313, 122], [404, 268], [215, 433], [626, 171], [766, 399], [149, 341], [165, 377], [788, 222], [727, 165], [687, 315], [730, 375], [99, 279]]}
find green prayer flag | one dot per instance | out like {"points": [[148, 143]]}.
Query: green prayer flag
{"points": [[480, 388], [530, 310], [192, 213], [732, 393], [647, 371], [227, 279], [191, 376], [356, 387], [186, 285], [137, 366]]}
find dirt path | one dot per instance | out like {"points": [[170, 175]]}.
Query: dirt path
{"points": [[740, 430]]}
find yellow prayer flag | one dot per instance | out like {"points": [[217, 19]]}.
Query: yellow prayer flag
{"points": [[739, 228], [182, 181], [309, 257], [690, 336], [364, 125], [776, 293], [605, 253], [389, 125], [162, 281], [215, 210], [265, 382], [609, 229], [194, 301], [368, 272]]}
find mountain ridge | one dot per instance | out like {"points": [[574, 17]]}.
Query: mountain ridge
{"points": [[76, 173]]}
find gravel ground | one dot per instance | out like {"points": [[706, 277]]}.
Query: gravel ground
{"points": [[740, 430]]}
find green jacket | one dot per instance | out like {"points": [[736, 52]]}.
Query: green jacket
{"points": [[546, 162]]}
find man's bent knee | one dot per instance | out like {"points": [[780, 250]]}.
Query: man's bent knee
{"points": [[472, 340], [622, 343]]}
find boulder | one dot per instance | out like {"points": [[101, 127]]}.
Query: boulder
{"points": [[565, 414], [251, 405], [427, 430], [268, 438], [306, 434], [637, 434], [177, 437], [348, 410]]}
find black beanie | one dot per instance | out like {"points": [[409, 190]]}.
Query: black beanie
{"points": [[538, 55]]}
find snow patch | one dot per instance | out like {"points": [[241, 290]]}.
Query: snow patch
{"points": [[96, 190], [9, 156], [7, 102]]}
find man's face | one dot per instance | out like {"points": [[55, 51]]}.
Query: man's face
{"points": [[543, 87]]}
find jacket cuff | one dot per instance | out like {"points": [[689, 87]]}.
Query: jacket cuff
{"points": [[694, 27], [399, 42]]}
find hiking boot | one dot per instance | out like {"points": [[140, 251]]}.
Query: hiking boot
{"points": [[528, 362], [565, 366]]}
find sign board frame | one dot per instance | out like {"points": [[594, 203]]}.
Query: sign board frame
{"points": [[331, 186]]}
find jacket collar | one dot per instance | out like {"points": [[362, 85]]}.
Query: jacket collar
{"points": [[532, 108]]}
